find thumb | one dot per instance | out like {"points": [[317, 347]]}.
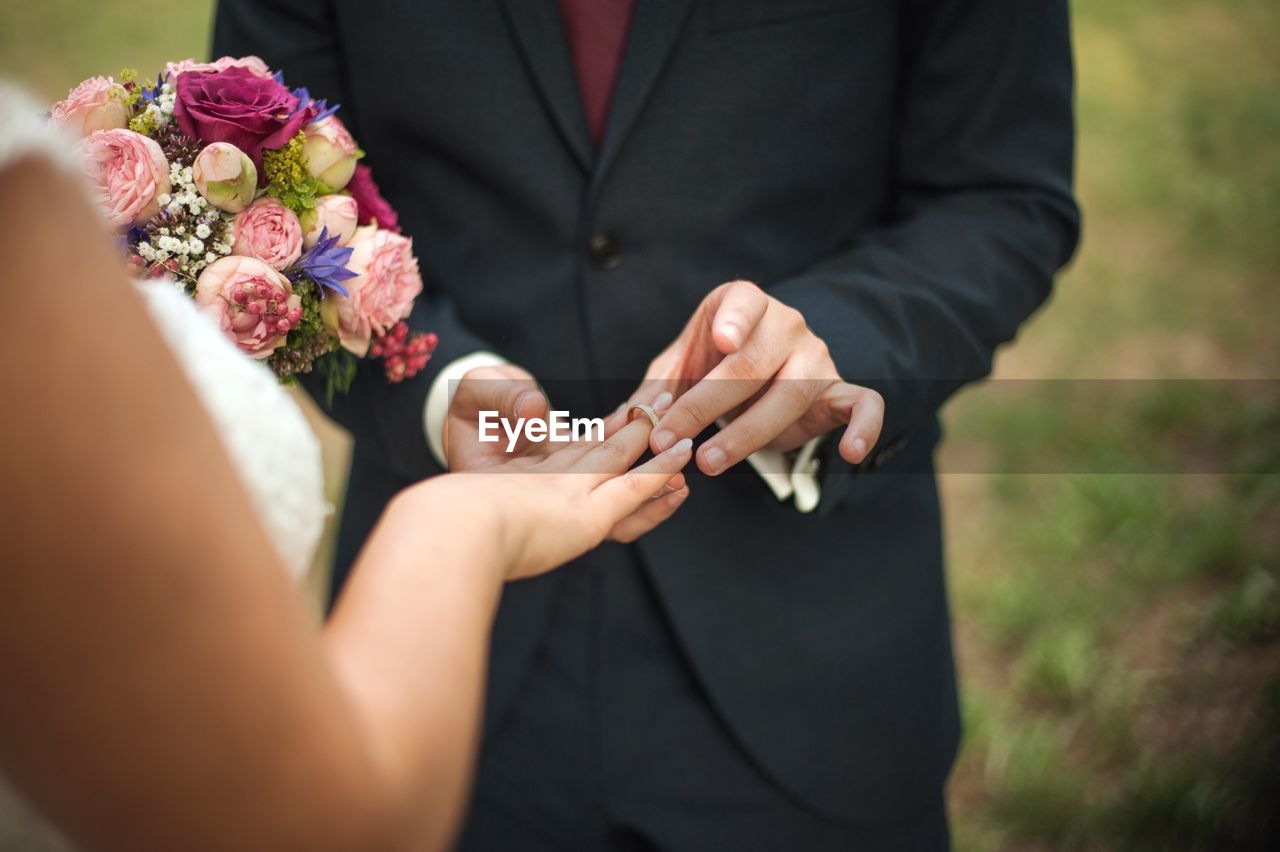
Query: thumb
{"points": [[507, 390]]}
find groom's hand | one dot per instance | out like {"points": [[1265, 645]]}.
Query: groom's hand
{"points": [[506, 389], [746, 357]]}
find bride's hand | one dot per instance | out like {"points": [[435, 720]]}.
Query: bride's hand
{"points": [[545, 508]]}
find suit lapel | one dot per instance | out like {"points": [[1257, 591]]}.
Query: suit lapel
{"points": [[654, 30], [539, 31]]}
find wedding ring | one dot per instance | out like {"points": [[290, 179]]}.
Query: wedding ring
{"points": [[646, 410]]}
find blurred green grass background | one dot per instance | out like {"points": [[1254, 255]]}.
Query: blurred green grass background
{"points": [[1118, 635]]}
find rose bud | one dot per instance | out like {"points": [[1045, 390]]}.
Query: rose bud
{"points": [[225, 176], [95, 104], [331, 153], [335, 213]]}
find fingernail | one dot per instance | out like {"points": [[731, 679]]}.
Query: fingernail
{"points": [[664, 438], [860, 446], [663, 402], [732, 332], [714, 458], [682, 448], [677, 498], [520, 402]]}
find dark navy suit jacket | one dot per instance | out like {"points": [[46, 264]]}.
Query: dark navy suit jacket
{"points": [[898, 170]]}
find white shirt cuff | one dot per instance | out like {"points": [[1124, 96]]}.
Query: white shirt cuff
{"points": [[440, 397], [798, 480]]}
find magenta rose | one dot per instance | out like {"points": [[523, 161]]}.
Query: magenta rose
{"points": [[238, 106], [268, 231], [252, 303], [382, 293], [373, 207], [128, 172]]}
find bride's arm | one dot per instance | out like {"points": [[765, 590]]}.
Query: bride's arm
{"points": [[162, 688]]}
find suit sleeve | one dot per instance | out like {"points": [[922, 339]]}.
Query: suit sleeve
{"points": [[301, 38], [982, 214]]}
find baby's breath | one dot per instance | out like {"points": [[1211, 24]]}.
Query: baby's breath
{"points": [[188, 234]]}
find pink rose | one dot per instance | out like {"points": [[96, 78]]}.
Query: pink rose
{"points": [[269, 231], [331, 152], [374, 209], [129, 172], [382, 293], [335, 213], [249, 63], [252, 303], [96, 104]]}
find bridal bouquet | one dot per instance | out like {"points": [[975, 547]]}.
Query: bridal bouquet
{"points": [[250, 196]]}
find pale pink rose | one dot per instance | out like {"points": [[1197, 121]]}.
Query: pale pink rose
{"points": [[225, 176], [250, 63], [96, 104], [382, 293], [335, 213], [269, 231], [252, 303], [129, 173], [331, 152]]}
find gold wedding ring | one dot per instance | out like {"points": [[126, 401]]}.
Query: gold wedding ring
{"points": [[646, 410]]}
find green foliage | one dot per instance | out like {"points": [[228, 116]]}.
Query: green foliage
{"points": [[144, 123], [338, 367], [1249, 612], [129, 94], [1035, 789], [307, 342], [1058, 666], [1169, 808], [287, 177]]}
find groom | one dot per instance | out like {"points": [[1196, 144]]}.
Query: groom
{"points": [[772, 668]]}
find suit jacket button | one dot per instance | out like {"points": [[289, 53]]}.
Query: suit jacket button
{"points": [[604, 251]]}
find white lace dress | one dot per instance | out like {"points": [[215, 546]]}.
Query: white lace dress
{"points": [[266, 435]]}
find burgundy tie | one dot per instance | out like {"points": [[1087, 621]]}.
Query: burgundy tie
{"points": [[597, 31]]}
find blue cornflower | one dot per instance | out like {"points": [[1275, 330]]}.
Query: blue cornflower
{"points": [[325, 263]]}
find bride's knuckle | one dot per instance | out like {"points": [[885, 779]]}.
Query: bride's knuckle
{"points": [[613, 447], [635, 485]]}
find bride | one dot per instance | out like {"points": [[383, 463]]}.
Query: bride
{"points": [[161, 686]]}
